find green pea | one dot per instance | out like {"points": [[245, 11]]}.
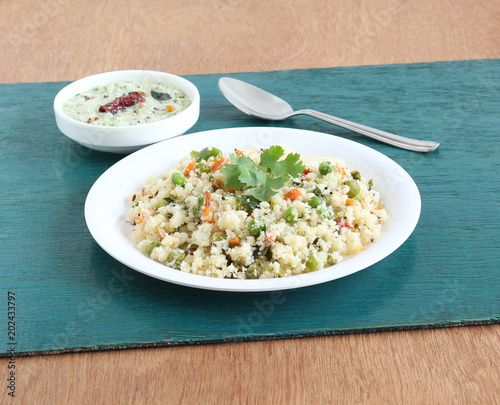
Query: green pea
{"points": [[256, 226], [326, 167], [370, 184], [178, 179], [176, 257], [315, 201], [353, 188], [203, 168], [291, 215], [207, 153], [153, 244], [324, 212], [159, 205], [312, 262]]}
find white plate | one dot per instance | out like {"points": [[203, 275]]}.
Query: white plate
{"points": [[105, 207]]}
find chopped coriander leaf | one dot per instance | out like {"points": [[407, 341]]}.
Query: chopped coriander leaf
{"points": [[241, 164]]}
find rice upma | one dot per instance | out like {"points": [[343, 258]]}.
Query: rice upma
{"points": [[255, 213]]}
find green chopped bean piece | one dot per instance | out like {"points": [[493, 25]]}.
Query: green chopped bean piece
{"points": [[203, 168], [355, 175], [194, 153], [153, 244], [317, 191], [207, 153], [331, 260], [339, 212], [324, 212], [312, 262], [199, 203], [291, 215], [251, 271], [353, 188], [159, 205], [326, 167]]}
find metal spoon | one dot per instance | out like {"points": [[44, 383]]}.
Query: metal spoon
{"points": [[261, 104]]}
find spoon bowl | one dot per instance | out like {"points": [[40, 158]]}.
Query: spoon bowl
{"points": [[262, 104]]}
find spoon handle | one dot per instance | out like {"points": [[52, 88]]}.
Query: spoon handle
{"points": [[392, 139]]}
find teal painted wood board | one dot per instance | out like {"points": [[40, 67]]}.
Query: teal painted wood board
{"points": [[71, 296]]}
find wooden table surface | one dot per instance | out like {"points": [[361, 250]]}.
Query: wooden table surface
{"points": [[64, 40]]}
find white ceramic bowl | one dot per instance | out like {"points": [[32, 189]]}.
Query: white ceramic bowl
{"points": [[126, 139]]}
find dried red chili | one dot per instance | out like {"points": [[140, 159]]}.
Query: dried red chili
{"points": [[120, 103]]}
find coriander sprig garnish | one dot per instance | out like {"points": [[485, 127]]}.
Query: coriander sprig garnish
{"points": [[266, 178]]}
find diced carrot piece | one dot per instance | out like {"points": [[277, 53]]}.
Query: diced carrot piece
{"points": [[293, 194], [191, 165], [341, 171], [219, 164], [208, 198], [379, 207], [234, 241], [350, 202], [239, 152], [143, 216], [306, 171], [270, 237], [170, 108]]}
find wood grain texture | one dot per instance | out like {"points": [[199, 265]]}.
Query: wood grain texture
{"points": [[64, 40], [457, 365], [77, 38]]}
